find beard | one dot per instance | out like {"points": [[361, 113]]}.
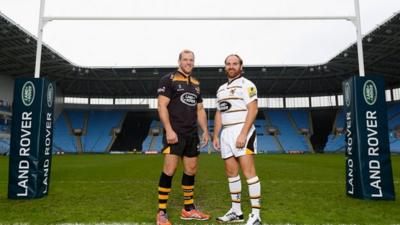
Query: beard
{"points": [[232, 73]]}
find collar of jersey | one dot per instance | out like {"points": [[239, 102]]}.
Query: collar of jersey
{"points": [[230, 82], [182, 74]]}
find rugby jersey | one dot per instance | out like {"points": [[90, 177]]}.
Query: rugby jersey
{"points": [[184, 94], [232, 100]]}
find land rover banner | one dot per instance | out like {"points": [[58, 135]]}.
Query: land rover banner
{"points": [[368, 165], [31, 138]]}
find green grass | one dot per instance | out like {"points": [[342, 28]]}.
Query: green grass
{"points": [[296, 189]]}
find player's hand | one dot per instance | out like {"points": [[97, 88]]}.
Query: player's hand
{"points": [[216, 144], [172, 138], [240, 141], [204, 139]]}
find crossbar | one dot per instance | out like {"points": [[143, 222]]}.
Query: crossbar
{"points": [[354, 19], [213, 18]]}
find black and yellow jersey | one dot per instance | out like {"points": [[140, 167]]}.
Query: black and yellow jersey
{"points": [[184, 94]]}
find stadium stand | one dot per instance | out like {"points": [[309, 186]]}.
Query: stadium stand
{"points": [[288, 135], [98, 135], [336, 140], [78, 119], [64, 140], [4, 146]]}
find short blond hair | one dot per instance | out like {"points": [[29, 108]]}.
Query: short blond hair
{"points": [[184, 52]]}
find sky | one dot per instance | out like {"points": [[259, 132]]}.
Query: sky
{"points": [[158, 43]]}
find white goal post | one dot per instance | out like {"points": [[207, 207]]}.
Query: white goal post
{"points": [[356, 20]]}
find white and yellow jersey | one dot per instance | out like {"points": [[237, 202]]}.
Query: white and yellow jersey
{"points": [[232, 100]]}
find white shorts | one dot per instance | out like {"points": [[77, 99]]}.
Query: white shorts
{"points": [[228, 142]]}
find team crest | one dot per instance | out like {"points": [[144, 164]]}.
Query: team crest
{"points": [[197, 90], [232, 92], [252, 91]]}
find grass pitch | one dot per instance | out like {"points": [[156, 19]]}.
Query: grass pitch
{"points": [[296, 189]]}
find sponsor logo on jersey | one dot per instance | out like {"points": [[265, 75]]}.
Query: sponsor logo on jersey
{"points": [[180, 88], [252, 91], [161, 90], [189, 99], [224, 106]]}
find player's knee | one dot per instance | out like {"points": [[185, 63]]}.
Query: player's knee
{"points": [[249, 174], [191, 170], [169, 170], [230, 172]]}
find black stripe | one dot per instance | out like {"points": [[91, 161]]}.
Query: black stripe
{"points": [[258, 181], [162, 200], [250, 143], [234, 181], [163, 193]]}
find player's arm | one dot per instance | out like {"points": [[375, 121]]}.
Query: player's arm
{"points": [[250, 98], [202, 121], [252, 110], [163, 102], [217, 130]]}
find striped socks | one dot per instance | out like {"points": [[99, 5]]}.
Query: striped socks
{"points": [[164, 188], [235, 188], [188, 191], [255, 195]]}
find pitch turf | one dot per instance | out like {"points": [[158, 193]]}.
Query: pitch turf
{"points": [[296, 189]]}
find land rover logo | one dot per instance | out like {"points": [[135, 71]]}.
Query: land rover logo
{"points": [[347, 94], [50, 94], [188, 99], [28, 93], [224, 106], [370, 92]]}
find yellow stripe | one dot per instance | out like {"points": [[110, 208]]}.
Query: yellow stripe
{"points": [[180, 79], [256, 206], [230, 98], [162, 205], [187, 187], [236, 110], [163, 197], [230, 124], [255, 197], [234, 193], [187, 194], [167, 150], [187, 202], [164, 189], [234, 87], [249, 152], [237, 201], [194, 81]]}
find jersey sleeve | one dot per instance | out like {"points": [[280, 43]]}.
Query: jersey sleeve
{"points": [[165, 87], [199, 98], [250, 92]]}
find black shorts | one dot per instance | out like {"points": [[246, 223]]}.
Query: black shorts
{"points": [[187, 146]]}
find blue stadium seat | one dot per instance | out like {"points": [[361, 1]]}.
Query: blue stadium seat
{"points": [[98, 134], [63, 140], [266, 143], [335, 143], [77, 118], [288, 136], [393, 110], [4, 146], [301, 118]]}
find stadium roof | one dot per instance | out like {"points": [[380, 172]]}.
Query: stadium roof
{"points": [[381, 52]]}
